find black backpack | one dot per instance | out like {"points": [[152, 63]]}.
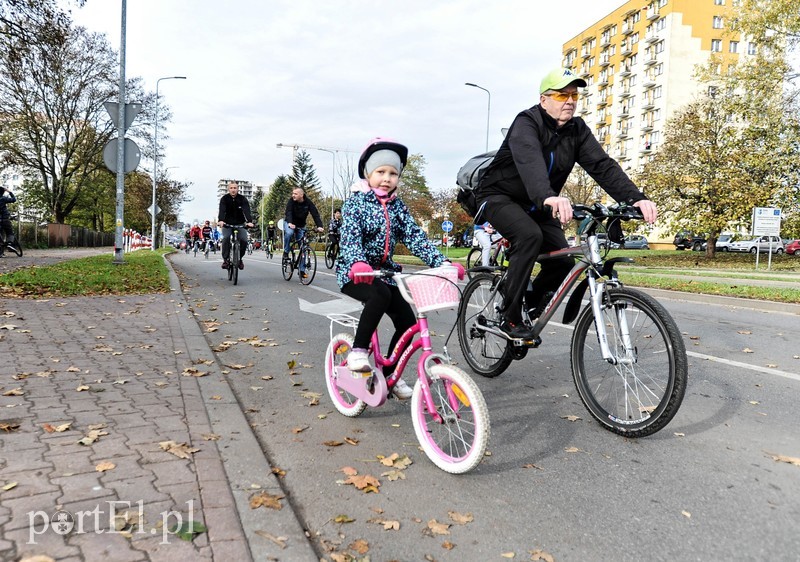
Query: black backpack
{"points": [[469, 177]]}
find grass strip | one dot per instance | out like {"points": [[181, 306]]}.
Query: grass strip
{"points": [[774, 294], [141, 272]]}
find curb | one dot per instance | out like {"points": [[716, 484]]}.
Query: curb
{"points": [[734, 302], [245, 462]]}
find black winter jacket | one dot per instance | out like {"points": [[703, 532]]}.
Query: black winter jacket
{"points": [[297, 212], [536, 158], [234, 210]]}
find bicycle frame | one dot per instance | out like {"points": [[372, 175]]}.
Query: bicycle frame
{"points": [[403, 350]]}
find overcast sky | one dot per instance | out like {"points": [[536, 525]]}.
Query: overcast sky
{"points": [[333, 74]]}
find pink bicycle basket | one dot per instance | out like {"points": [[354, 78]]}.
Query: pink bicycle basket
{"points": [[431, 289]]}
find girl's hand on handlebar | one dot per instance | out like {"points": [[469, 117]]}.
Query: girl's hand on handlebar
{"points": [[356, 271], [562, 208], [648, 209]]}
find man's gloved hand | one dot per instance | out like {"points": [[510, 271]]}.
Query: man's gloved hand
{"points": [[360, 267]]}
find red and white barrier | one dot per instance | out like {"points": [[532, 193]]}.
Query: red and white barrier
{"points": [[132, 241]]}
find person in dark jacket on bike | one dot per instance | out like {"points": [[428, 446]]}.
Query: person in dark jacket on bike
{"points": [[233, 209], [520, 191], [297, 210], [6, 198]]}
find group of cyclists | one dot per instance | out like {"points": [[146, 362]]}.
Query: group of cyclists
{"points": [[201, 237]]}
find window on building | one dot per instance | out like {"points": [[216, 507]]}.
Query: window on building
{"points": [[752, 49], [660, 47], [658, 69], [657, 92], [734, 47], [613, 50], [661, 24], [591, 62], [656, 115], [632, 60], [635, 38], [662, 3], [719, 2], [716, 22], [613, 30], [716, 45], [592, 43]]}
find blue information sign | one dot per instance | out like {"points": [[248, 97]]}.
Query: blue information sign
{"points": [[447, 226]]}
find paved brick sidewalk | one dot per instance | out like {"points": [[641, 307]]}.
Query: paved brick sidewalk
{"points": [[124, 367]]}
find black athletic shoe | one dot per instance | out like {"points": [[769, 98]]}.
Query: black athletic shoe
{"points": [[517, 332]]}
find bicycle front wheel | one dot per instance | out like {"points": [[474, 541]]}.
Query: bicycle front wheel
{"points": [[309, 257], [455, 436], [236, 256], [474, 258], [487, 354], [287, 265], [330, 255], [641, 391], [336, 355]]}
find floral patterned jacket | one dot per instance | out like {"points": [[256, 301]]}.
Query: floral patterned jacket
{"points": [[370, 230]]}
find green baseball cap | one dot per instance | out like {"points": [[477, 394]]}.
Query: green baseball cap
{"points": [[560, 78]]}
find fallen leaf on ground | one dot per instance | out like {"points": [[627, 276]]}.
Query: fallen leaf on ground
{"points": [[541, 555], [531, 465], [436, 528], [264, 499], [783, 458], [194, 372], [361, 546], [92, 436], [181, 450], [686, 514], [56, 428], [280, 541], [447, 545], [210, 436], [343, 519], [9, 486], [9, 427], [747, 350], [14, 392], [104, 466], [364, 482], [571, 418], [393, 475], [460, 518]]}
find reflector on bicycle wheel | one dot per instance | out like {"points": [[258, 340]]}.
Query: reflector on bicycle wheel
{"points": [[431, 289], [460, 395]]}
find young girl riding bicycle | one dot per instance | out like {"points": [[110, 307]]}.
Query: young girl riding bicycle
{"points": [[374, 219]]}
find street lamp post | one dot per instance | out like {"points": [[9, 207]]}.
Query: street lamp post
{"points": [[488, 109], [155, 161]]}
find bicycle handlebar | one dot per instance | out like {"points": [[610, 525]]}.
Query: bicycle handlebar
{"points": [[621, 211]]}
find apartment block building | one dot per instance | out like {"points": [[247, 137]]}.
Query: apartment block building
{"points": [[246, 188], [639, 64]]}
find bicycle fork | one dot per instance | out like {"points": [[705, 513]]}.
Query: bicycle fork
{"points": [[596, 293]]}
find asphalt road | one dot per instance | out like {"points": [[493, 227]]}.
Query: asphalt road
{"points": [[713, 485]]}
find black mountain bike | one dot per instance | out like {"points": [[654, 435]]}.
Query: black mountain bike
{"points": [[300, 252], [627, 355], [331, 251]]}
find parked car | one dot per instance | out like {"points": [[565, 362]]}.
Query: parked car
{"points": [[686, 239], [724, 242], [793, 248], [760, 244], [635, 242], [604, 242]]}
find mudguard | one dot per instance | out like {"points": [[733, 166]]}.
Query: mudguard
{"points": [[608, 267], [574, 303]]}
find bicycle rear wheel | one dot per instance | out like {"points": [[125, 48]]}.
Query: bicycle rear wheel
{"points": [[473, 258], [287, 265], [487, 354], [642, 392], [309, 259], [330, 255], [336, 355], [457, 441]]}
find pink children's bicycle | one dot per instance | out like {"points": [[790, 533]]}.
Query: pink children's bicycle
{"points": [[448, 411]]}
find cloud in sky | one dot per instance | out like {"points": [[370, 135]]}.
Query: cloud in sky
{"points": [[334, 74]]}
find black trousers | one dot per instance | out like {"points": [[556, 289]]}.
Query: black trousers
{"points": [[530, 234], [380, 298]]}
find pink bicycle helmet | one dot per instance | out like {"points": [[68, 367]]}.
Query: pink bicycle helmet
{"points": [[381, 143]]}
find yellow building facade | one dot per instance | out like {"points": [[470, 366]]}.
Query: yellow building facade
{"points": [[639, 63]]}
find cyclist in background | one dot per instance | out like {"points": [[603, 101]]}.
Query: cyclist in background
{"points": [[333, 230], [206, 234], [196, 234], [234, 208], [374, 220], [6, 198], [271, 236], [486, 236], [297, 210]]}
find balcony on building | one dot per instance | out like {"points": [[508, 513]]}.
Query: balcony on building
{"points": [[585, 72], [648, 103], [623, 133], [605, 40], [622, 155], [625, 70], [623, 111], [625, 93], [652, 13], [646, 148], [647, 126], [625, 48], [651, 59], [605, 60], [651, 37], [648, 82], [602, 80], [627, 28]]}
